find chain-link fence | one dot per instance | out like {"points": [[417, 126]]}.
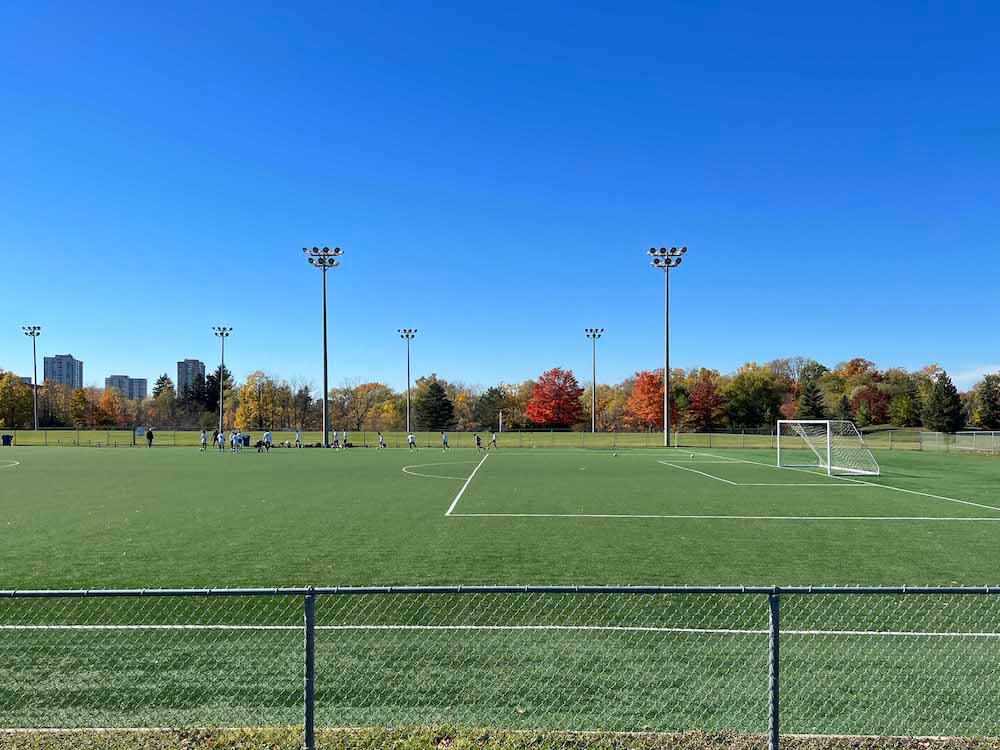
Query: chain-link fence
{"points": [[848, 661]]}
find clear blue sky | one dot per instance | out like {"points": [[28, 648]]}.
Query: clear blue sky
{"points": [[495, 172]]}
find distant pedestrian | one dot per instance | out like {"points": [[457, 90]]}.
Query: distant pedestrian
{"points": [[149, 437]]}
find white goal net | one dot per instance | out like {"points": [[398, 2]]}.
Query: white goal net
{"points": [[835, 446]]}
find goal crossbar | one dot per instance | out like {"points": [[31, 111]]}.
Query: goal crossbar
{"points": [[833, 445]]}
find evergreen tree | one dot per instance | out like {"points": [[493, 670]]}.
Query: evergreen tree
{"points": [[488, 407], [212, 388], [843, 410], [811, 405], [864, 417], [433, 409], [195, 396], [163, 383], [943, 408], [904, 410], [988, 402]]}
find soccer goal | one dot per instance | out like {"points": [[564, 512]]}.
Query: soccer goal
{"points": [[833, 445]]}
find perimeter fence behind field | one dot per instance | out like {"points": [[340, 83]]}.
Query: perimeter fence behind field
{"points": [[757, 661], [902, 439]]}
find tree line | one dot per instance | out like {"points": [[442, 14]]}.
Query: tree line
{"points": [[754, 396]]}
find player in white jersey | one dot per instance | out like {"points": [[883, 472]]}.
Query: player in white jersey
{"points": [[493, 440], [204, 440], [444, 441], [411, 440], [267, 441], [381, 442], [298, 438], [336, 439], [221, 440]]}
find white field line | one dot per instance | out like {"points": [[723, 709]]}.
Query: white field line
{"points": [[513, 628], [703, 517], [675, 465], [406, 469], [695, 471], [863, 482], [464, 486], [9, 463]]}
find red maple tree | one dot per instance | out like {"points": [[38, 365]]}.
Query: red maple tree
{"points": [[645, 403], [706, 402], [555, 401]]}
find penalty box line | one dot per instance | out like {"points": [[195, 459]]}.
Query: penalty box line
{"points": [[833, 485], [857, 481], [510, 628], [465, 486]]}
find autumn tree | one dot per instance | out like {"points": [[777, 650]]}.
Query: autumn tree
{"points": [[363, 402], [705, 409], [111, 407], [753, 396], [645, 404], [15, 402], [79, 408], [555, 401], [943, 407]]}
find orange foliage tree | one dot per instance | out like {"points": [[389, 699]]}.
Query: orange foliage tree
{"points": [[555, 400]]}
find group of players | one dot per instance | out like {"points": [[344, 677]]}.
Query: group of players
{"points": [[238, 440]]}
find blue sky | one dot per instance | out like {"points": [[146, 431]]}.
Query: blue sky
{"points": [[495, 175]]}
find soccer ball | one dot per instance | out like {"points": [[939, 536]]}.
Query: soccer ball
{"points": [[614, 454]]}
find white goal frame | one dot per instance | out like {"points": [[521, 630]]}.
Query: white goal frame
{"points": [[829, 455]]}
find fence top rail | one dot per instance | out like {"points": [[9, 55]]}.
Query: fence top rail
{"points": [[610, 590]]}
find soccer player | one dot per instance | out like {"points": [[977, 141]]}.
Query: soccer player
{"points": [[149, 437], [381, 442], [479, 443], [204, 440], [232, 439], [345, 438], [221, 440], [336, 439], [411, 440], [444, 441], [493, 440], [267, 441], [298, 438]]}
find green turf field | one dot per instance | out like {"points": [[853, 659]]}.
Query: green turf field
{"points": [[177, 517]]}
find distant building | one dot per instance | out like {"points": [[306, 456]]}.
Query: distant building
{"points": [[187, 371], [130, 388], [64, 370], [26, 381]]}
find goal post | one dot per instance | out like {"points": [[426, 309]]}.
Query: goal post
{"points": [[833, 445]]}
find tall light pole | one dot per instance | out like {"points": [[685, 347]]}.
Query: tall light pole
{"points": [[223, 332], [408, 334], [324, 258], [593, 334], [665, 259], [34, 332]]}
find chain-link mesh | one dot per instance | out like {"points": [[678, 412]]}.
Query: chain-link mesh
{"points": [[150, 661], [924, 665], [522, 661], [853, 664]]}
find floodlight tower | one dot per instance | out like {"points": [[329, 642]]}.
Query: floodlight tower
{"points": [[223, 332], [665, 259], [593, 334], [34, 332], [408, 334], [324, 258]]}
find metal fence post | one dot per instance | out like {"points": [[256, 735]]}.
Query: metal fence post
{"points": [[774, 714], [310, 671]]}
